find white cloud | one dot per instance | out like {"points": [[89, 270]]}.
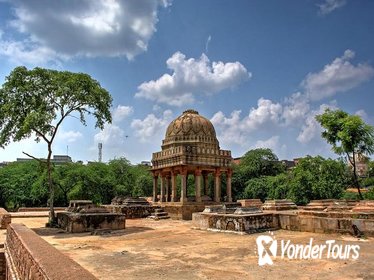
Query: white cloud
{"points": [[339, 76], [311, 128], [151, 126], [330, 5], [272, 143], [233, 129], [191, 76], [111, 134], [69, 136], [89, 28], [295, 109], [207, 43], [121, 112]]}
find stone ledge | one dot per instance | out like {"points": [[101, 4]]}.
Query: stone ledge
{"points": [[28, 256], [5, 218]]}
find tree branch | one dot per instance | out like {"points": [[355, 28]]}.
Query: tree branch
{"points": [[38, 159]]}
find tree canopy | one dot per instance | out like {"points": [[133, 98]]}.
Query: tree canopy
{"points": [[349, 135], [36, 102]]}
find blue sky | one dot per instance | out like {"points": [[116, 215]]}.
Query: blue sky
{"points": [[259, 70]]}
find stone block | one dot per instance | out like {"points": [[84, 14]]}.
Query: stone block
{"points": [[5, 218], [279, 205]]}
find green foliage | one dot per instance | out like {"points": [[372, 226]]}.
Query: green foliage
{"points": [[256, 188], [19, 183], [349, 135], [254, 164], [36, 102], [317, 178], [370, 194]]}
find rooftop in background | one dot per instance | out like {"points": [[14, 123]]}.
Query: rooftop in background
{"points": [[57, 159]]}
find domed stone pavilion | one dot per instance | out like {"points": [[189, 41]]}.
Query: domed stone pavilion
{"points": [[190, 147]]}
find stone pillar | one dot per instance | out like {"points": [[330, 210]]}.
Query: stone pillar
{"points": [[198, 185], [217, 186], [167, 186], [206, 184], [184, 186], [228, 185], [173, 187], [162, 196], [155, 187]]}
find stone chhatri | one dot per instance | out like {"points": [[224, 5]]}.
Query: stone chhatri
{"points": [[190, 147]]}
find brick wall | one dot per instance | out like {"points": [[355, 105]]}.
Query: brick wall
{"points": [[28, 256]]}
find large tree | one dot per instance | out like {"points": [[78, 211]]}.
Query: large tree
{"points": [[349, 135], [36, 102]]}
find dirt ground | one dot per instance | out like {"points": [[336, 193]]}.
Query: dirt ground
{"points": [[169, 249]]}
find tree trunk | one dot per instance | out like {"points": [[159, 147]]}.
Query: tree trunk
{"points": [[357, 184], [52, 217]]}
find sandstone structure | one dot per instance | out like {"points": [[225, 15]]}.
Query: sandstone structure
{"points": [[190, 147], [5, 218], [279, 205], [251, 203], [89, 218], [131, 207], [28, 256]]}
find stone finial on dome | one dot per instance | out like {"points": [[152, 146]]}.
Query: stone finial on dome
{"points": [[191, 111]]}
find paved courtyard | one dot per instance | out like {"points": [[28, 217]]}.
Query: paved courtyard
{"points": [[170, 249]]}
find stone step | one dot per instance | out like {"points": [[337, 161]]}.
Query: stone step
{"points": [[158, 217], [158, 210]]}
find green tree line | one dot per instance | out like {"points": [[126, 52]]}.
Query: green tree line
{"points": [[25, 184]]}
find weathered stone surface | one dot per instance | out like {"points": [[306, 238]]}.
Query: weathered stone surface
{"points": [[330, 205], [5, 218], [82, 222], [235, 223], [366, 206], [251, 203], [247, 210], [128, 201], [75, 204], [279, 205], [132, 211], [30, 257]]}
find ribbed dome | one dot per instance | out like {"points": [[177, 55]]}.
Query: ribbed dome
{"points": [[190, 123], [190, 126]]}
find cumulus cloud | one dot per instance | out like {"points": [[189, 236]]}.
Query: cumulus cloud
{"points": [[339, 76], [311, 128], [151, 125], [272, 143], [88, 28], [295, 108], [191, 76], [330, 5], [234, 129], [112, 134], [69, 136], [121, 112]]}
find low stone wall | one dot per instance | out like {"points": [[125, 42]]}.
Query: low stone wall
{"points": [[235, 223], [319, 222], [39, 209], [322, 222], [28, 256], [133, 211], [5, 218], [2, 264], [82, 222]]}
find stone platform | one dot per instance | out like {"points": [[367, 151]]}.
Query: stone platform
{"points": [[132, 208], [279, 205], [82, 222], [251, 203]]}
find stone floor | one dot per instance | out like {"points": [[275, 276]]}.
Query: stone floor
{"points": [[170, 249]]}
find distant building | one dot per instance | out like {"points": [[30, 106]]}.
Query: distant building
{"points": [[57, 159], [236, 160], [289, 164], [146, 163]]}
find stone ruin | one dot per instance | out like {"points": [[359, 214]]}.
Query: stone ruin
{"points": [[131, 207], [279, 205], [321, 216], [83, 215]]}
